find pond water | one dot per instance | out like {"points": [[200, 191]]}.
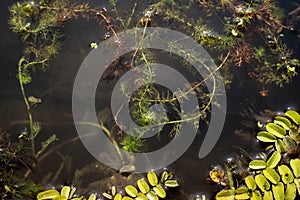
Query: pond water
{"points": [[55, 86]]}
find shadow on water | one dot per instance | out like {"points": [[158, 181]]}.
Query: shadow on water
{"points": [[55, 113]]}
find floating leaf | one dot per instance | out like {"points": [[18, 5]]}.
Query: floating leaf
{"points": [[294, 116], [290, 191], [276, 130], [159, 190], [274, 159], [278, 191], [171, 183], [297, 183], [295, 135], [118, 197], [280, 146], [256, 195], [268, 195], [225, 195], [257, 164], [271, 175], [286, 174], [60, 198], [164, 176], [48, 194], [65, 191], [141, 196], [152, 178], [262, 182], [290, 145], [250, 182], [265, 136], [295, 164], [152, 196], [113, 190], [284, 122], [242, 193], [143, 186], [216, 175], [106, 195], [127, 198], [131, 191]]}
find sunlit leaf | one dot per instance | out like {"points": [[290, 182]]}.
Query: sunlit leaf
{"points": [[152, 196], [297, 183], [271, 175], [143, 186], [268, 195], [256, 195], [164, 176], [242, 193], [141, 196], [65, 191], [276, 130], [286, 174], [257, 164], [171, 183], [131, 191], [295, 164], [48, 194], [225, 195], [159, 191], [152, 178], [280, 146], [290, 191], [278, 191], [250, 182], [284, 122], [274, 159], [262, 182], [265, 136], [106, 195], [118, 197], [294, 116]]}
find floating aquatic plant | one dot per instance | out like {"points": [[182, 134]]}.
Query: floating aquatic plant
{"points": [[66, 193]]}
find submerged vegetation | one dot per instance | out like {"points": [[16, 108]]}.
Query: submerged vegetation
{"points": [[251, 37]]}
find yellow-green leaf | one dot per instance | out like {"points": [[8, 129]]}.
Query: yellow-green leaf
{"points": [[268, 195], [274, 159], [262, 182], [286, 174], [143, 186], [257, 164], [48, 194], [256, 195], [278, 191], [127, 198], [171, 183], [297, 183], [152, 178], [242, 193], [290, 191], [271, 175], [284, 122], [106, 195], [164, 176], [131, 191], [60, 198], [152, 196], [141, 196], [280, 146], [65, 191], [276, 130], [250, 182], [159, 191], [295, 164], [294, 116], [225, 195], [295, 135], [118, 197], [265, 136]]}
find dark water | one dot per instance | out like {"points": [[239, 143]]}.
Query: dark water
{"points": [[55, 113]]}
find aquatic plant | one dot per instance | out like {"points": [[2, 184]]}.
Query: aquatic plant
{"points": [[65, 193], [276, 176]]}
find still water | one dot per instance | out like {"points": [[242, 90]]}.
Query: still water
{"points": [[55, 113]]}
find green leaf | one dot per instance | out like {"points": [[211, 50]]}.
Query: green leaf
{"points": [[152, 178], [143, 186], [256, 195], [294, 116], [257, 164], [284, 122], [250, 182], [48, 194], [242, 193], [159, 191], [297, 183], [131, 191], [141, 196], [106, 195], [268, 195], [262, 182], [290, 191], [274, 159], [171, 183], [280, 146], [118, 197], [295, 164], [127, 198], [271, 175], [278, 191], [265, 136], [65, 191], [152, 196], [286, 174], [164, 176], [92, 197], [276, 130], [60, 198], [225, 195]]}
